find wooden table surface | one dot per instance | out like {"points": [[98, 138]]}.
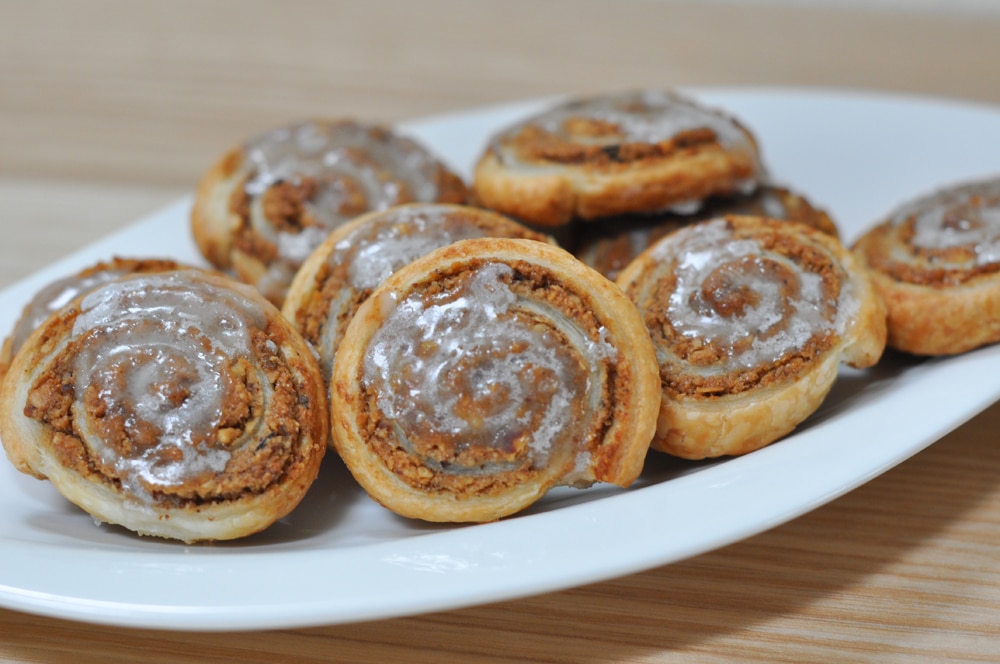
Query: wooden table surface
{"points": [[109, 109]]}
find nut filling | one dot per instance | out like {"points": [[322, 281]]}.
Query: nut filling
{"points": [[608, 133], [302, 181], [177, 397], [741, 309], [365, 252], [946, 239], [485, 376]]}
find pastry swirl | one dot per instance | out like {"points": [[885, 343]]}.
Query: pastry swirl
{"points": [[62, 291], [266, 205], [936, 262], [178, 404], [750, 318], [615, 154], [486, 372], [608, 245], [355, 258]]}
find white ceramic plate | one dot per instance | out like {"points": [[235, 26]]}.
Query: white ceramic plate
{"points": [[339, 557]]}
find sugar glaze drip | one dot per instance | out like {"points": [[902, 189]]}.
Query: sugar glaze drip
{"points": [[346, 159], [376, 249], [757, 305], [521, 379], [54, 297], [398, 238], [156, 354], [646, 116], [967, 216], [352, 168]]}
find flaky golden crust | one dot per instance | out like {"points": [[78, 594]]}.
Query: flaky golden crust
{"points": [[6, 355], [213, 222], [615, 154], [342, 272], [750, 318], [608, 245], [522, 317], [935, 262], [264, 206], [178, 404]]}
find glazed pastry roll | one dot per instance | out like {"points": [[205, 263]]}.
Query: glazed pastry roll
{"points": [[608, 245], [615, 154], [177, 404], [486, 372], [936, 262], [266, 205], [359, 255], [750, 318], [61, 292]]}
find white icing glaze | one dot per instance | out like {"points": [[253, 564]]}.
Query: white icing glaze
{"points": [[397, 238], [341, 151], [966, 216], [647, 116], [523, 377], [54, 297], [384, 243], [145, 338], [347, 161], [774, 323]]}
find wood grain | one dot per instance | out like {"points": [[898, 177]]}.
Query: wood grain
{"points": [[109, 109]]}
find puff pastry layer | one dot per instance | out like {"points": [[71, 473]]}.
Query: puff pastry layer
{"points": [[266, 205], [608, 245], [750, 318], [614, 154], [176, 404], [358, 256], [486, 372], [936, 262], [61, 292]]}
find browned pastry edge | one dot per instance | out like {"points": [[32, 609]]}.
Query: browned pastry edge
{"points": [[939, 318], [220, 227], [610, 244], [39, 449], [700, 426], [309, 295], [212, 221], [556, 194], [117, 263], [617, 458]]}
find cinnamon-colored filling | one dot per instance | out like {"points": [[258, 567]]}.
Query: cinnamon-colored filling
{"points": [[63, 291], [256, 432], [621, 131], [534, 144], [320, 175], [923, 266], [609, 245], [699, 365], [465, 451], [385, 243]]}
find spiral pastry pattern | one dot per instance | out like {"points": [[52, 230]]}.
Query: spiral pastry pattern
{"points": [[264, 207], [359, 255], [608, 245], [936, 262], [62, 291], [178, 404], [486, 372], [634, 152], [750, 318]]}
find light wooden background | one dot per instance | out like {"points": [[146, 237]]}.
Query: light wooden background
{"points": [[109, 109]]}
